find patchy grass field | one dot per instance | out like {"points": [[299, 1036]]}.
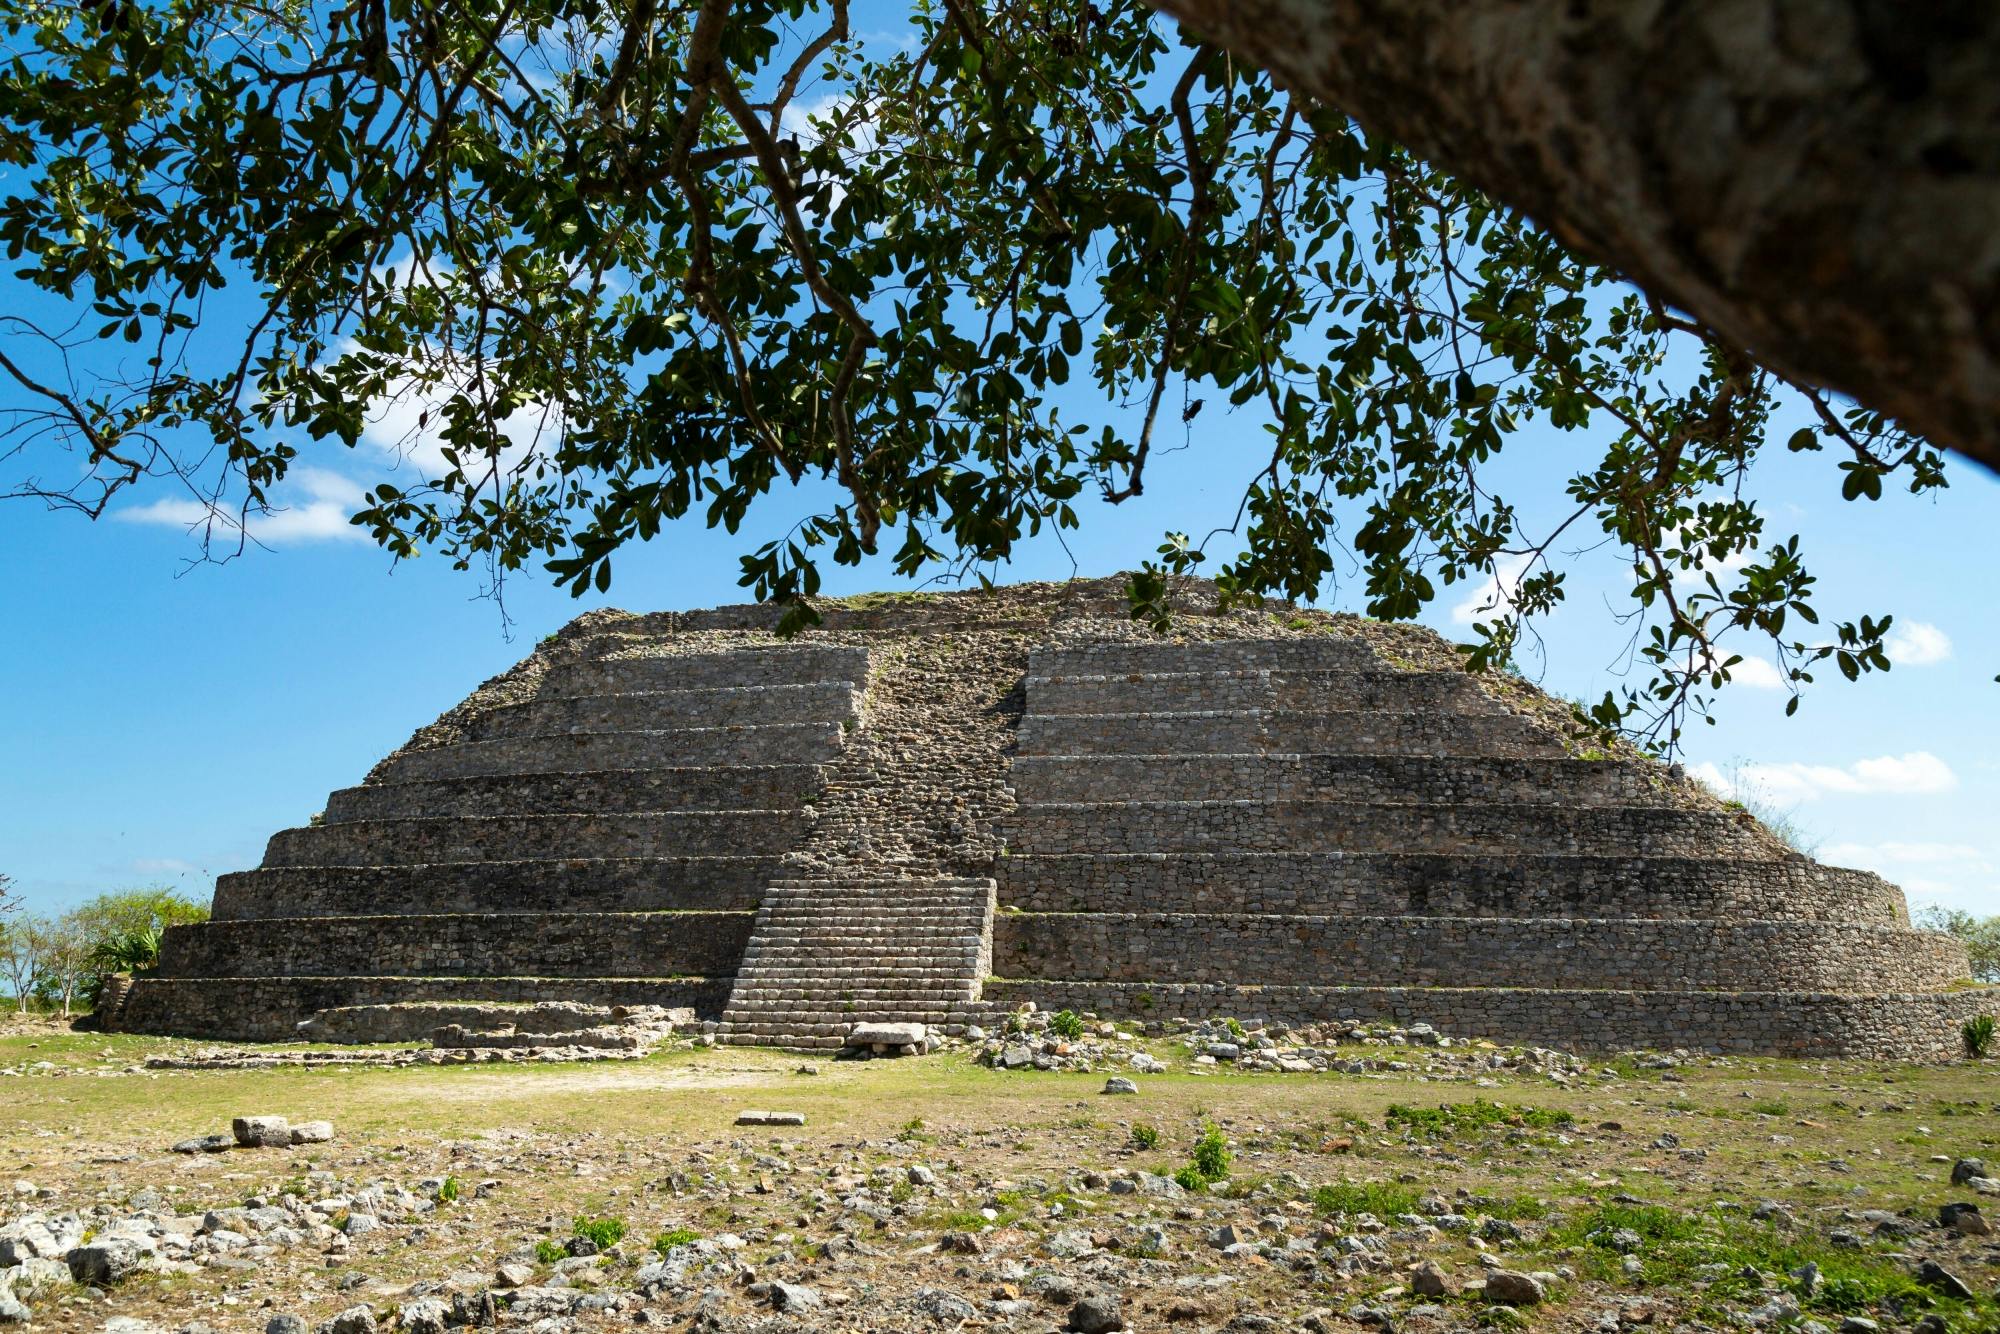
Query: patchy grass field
{"points": [[1718, 1192]]}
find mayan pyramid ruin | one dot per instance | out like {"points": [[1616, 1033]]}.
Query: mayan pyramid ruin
{"points": [[934, 808]]}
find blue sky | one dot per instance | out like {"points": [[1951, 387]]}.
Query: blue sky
{"points": [[163, 719]]}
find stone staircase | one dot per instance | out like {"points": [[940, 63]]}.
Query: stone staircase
{"points": [[825, 955]]}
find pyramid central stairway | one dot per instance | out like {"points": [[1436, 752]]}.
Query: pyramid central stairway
{"points": [[933, 809]]}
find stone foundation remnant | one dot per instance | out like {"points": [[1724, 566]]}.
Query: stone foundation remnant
{"points": [[933, 808]]}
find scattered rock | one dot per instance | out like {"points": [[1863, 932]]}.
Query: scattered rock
{"points": [[1939, 1279], [1097, 1314], [1430, 1280], [354, 1320], [1120, 1084], [107, 1261], [1964, 1219], [312, 1132], [795, 1297], [1513, 1288], [285, 1324], [514, 1275]]}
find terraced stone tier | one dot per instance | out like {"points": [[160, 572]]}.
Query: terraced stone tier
{"points": [[1388, 884], [666, 710], [575, 752], [600, 884], [666, 670], [1252, 732], [1050, 828], [1611, 955], [1372, 778], [1289, 691], [1121, 657], [536, 837], [552, 944], [270, 1009], [1784, 1023], [702, 788]]}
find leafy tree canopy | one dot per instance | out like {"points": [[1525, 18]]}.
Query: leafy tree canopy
{"points": [[656, 260]]}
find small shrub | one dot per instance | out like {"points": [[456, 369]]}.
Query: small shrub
{"points": [[1066, 1024], [1190, 1178], [1145, 1136], [1771, 1107], [448, 1190], [603, 1232], [1211, 1154], [1236, 1029], [1977, 1034], [675, 1236], [548, 1252]]}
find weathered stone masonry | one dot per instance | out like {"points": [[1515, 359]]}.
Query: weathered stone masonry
{"points": [[936, 807]]}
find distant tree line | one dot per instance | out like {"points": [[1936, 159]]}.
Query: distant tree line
{"points": [[1980, 936], [59, 962]]}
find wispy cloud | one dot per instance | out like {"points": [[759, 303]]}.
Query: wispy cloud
{"points": [[1918, 772], [1495, 595], [311, 505], [1917, 644]]}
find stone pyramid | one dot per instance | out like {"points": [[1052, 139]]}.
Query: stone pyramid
{"points": [[936, 807]]}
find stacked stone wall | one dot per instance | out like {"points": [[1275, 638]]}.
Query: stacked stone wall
{"points": [[269, 1009], [739, 787], [749, 706], [1360, 732], [536, 837], [1141, 826], [1431, 884], [542, 944], [770, 743], [1920, 1027], [609, 884], [1375, 778], [1599, 954]]}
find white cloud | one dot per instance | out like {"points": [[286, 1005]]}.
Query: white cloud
{"points": [[1954, 875], [1918, 772], [1757, 674], [311, 505], [1893, 853], [1917, 644], [1496, 594]]}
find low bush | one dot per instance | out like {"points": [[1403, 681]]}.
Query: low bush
{"points": [[1066, 1024], [604, 1233], [675, 1236]]}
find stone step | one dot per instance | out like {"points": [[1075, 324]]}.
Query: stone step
{"points": [[269, 1009], [1108, 658], [608, 884], [1252, 732], [1802, 1024], [532, 837], [1045, 828], [1449, 884], [671, 710], [666, 669], [1342, 690], [862, 950], [549, 944], [1374, 778], [711, 787], [1611, 955], [583, 752]]}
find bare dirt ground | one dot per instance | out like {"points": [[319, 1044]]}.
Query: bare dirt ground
{"points": [[933, 1194]]}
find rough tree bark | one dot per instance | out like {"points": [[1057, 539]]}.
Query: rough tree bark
{"points": [[1817, 181]]}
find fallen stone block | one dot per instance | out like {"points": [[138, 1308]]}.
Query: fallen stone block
{"points": [[105, 1262], [756, 1117], [262, 1132], [205, 1144], [890, 1039], [313, 1132]]}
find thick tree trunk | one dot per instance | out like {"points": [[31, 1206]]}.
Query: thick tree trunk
{"points": [[1816, 180]]}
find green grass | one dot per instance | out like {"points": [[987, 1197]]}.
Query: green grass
{"points": [[1450, 1119], [1382, 1199], [675, 1236]]}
